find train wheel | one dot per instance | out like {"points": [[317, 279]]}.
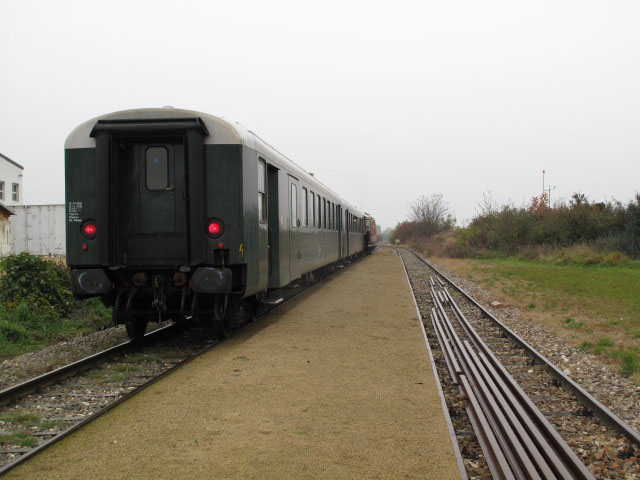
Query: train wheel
{"points": [[242, 311], [135, 322], [118, 314], [309, 279], [222, 321]]}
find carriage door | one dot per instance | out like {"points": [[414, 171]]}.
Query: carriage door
{"points": [[346, 229], [151, 202], [274, 226], [339, 227], [294, 230]]}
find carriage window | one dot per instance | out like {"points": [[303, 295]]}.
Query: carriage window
{"points": [[1, 190], [319, 212], [157, 159], [262, 197], [333, 216], [305, 208], [313, 209], [294, 206], [15, 194]]}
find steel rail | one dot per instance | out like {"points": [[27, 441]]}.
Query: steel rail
{"points": [[508, 385], [532, 446], [33, 385], [77, 426], [597, 408]]}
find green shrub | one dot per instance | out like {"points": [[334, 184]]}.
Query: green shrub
{"points": [[27, 277], [11, 332], [91, 314], [37, 307], [601, 227]]}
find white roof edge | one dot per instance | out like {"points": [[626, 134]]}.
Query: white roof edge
{"points": [[220, 131]]}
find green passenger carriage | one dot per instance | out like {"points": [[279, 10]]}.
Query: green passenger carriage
{"points": [[183, 215]]}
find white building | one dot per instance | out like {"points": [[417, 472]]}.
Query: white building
{"points": [[5, 230], [10, 182]]}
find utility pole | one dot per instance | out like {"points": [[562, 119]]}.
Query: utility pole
{"points": [[547, 190], [549, 194]]}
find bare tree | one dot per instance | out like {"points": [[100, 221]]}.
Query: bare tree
{"points": [[488, 206], [431, 214]]}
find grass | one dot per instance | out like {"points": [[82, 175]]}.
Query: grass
{"points": [[21, 417], [581, 302], [21, 438], [24, 423], [25, 326]]}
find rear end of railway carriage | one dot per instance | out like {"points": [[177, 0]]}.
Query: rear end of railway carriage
{"points": [[183, 215], [370, 225]]}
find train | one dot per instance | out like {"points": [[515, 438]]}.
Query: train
{"points": [[177, 214]]}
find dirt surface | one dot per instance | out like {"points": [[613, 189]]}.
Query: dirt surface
{"points": [[336, 384]]}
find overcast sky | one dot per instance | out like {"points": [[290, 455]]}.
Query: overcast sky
{"points": [[383, 101]]}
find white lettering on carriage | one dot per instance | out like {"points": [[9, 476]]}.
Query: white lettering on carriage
{"points": [[75, 212]]}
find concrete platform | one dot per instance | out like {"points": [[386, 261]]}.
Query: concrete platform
{"points": [[336, 384]]}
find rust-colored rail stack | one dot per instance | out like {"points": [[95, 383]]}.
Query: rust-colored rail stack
{"points": [[516, 438]]}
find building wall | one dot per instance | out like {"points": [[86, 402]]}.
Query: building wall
{"points": [[39, 230], [10, 174], [5, 235]]}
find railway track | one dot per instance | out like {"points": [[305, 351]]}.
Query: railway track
{"points": [[43, 410], [513, 413], [54, 405]]}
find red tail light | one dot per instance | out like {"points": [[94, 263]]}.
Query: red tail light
{"points": [[214, 227], [89, 229]]}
